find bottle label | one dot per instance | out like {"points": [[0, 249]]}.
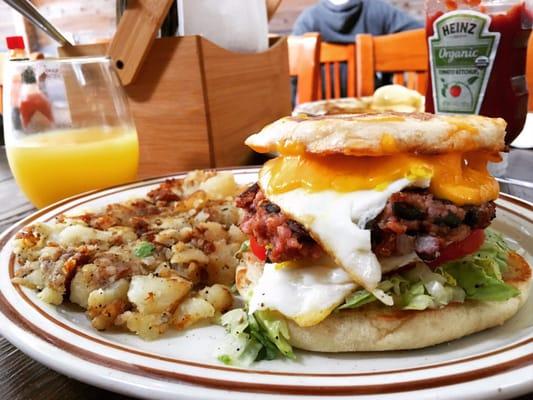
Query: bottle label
{"points": [[461, 54]]}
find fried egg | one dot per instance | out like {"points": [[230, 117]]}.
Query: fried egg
{"points": [[337, 221], [306, 294]]}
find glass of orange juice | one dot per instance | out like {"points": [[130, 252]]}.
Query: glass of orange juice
{"points": [[68, 128]]}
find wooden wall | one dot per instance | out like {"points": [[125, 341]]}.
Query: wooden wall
{"points": [[287, 13], [83, 21], [7, 23], [94, 20], [80, 20]]}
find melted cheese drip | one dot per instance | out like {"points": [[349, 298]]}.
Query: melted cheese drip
{"points": [[460, 178]]}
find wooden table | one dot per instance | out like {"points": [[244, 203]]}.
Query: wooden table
{"points": [[23, 378]]}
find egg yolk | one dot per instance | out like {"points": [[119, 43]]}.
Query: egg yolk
{"points": [[460, 178]]}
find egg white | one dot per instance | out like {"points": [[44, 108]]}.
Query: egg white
{"points": [[306, 294], [337, 221]]}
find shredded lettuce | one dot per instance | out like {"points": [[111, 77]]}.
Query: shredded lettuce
{"points": [[480, 273], [276, 330], [262, 335], [477, 276], [357, 299], [240, 347]]}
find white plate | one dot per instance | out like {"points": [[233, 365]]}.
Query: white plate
{"points": [[496, 363]]}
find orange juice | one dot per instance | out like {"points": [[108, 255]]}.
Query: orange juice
{"points": [[54, 165]]}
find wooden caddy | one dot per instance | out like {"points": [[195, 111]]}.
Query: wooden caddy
{"points": [[193, 102]]}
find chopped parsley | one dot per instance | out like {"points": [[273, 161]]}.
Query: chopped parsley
{"points": [[144, 249]]}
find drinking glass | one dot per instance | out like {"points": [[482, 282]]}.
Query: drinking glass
{"points": [[67, 127]]}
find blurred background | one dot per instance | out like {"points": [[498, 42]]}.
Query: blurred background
{"points": [[70, 16]]}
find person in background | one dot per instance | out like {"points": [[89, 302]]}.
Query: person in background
{"points": [[339, 21]]}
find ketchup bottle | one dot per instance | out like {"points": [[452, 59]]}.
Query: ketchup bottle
{"points": [[477, 59]]}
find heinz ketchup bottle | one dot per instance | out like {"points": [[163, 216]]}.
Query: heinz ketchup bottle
{"points": [[477, 52]]}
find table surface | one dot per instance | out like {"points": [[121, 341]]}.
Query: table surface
{"points": [[23, 378]]}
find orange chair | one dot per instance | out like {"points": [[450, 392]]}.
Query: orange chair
{"points": [[331, 56], [304, 63], [404, 54], [529, 72]]}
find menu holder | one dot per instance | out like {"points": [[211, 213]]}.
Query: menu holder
{"points": [[193, 102]]}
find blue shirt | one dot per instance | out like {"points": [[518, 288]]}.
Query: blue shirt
{"points": [[341, 23]]}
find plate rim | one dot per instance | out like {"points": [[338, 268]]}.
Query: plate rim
{"points": [[514, 364]]}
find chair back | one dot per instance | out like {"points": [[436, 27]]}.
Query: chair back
{"points": [[3, 57], [529, 72], [304, 63], [404, 54], [331, 57]]}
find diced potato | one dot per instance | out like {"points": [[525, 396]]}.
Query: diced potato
{"points": [[31, 239], [190, 311], [51, 296], [105, 304], [147, 326], [50, 253], [193, 271], [220, 186], [222, 263], [213, 231], [34, 280], [127, 233], [104, 317], [195, 201], [101, 297], [173, 222], [226, 214], [219, 296], [164, 271], [194, 179], [74, 235], [186, 233], [82, 285], [236, 235], [184, 253], [168, 237], [152, 294]]}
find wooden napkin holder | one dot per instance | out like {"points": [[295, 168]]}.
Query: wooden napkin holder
{"points": [[193, 102]]}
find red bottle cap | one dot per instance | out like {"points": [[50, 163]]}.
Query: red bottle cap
{"points": [[15, 42]]}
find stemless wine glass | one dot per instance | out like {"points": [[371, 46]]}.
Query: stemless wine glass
{"points": [[68, 128]]}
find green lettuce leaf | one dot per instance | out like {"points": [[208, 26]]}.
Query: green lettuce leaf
{"points": [[358, 299], [480, 274], [253, 337], [276, 329], [477, 276], [239, 348], [478, 284]]}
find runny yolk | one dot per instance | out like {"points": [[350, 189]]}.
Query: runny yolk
{"points": [[460, 178]]}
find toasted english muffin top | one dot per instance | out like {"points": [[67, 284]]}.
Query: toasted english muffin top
{"points": [[379, 134]]}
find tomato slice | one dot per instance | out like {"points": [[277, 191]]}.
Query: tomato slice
{"points": [[456, 250], [257, 249]]}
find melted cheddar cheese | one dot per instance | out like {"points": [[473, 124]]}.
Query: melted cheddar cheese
{"points": [[460, 178]]}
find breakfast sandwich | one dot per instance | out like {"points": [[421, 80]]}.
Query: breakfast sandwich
{"points": [[371, 232]]}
